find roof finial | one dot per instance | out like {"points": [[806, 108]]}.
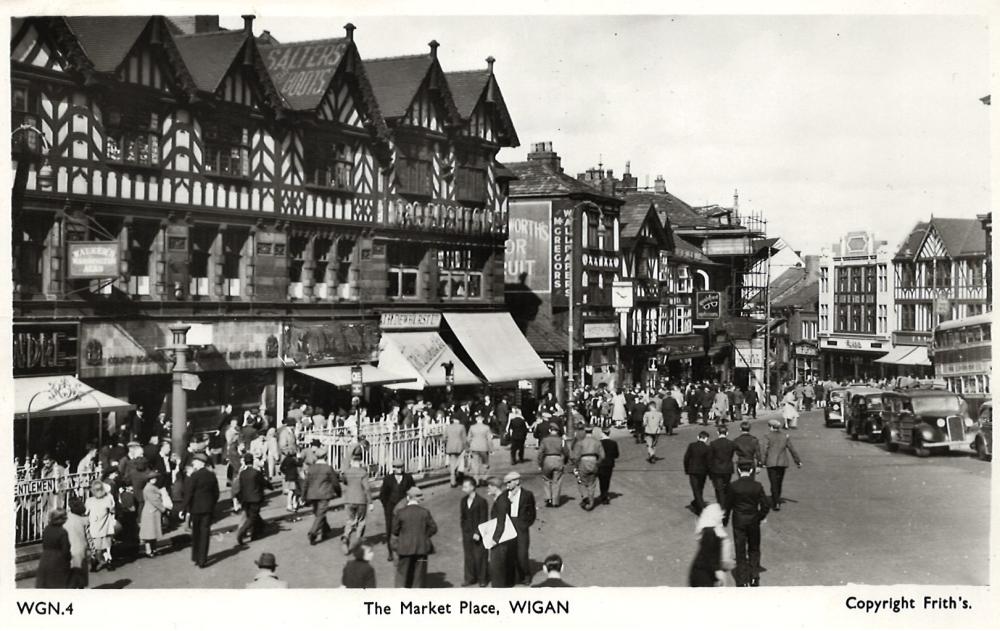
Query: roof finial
{"points": [[489, 63], [434, 48], [349, 29]]}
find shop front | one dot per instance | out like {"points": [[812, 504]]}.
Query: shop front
{"points": [[680, 357], [232, 362], [851, 359], [600, 354], [805, 361]]}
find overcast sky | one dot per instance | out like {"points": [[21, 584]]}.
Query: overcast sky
{"points": [[826, 124]]}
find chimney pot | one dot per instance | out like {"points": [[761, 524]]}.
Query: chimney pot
{"points": [[434, 48], [349, 29], [489, 63], [248, 24]]}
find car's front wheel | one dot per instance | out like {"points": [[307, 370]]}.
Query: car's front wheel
{"points": [[920, 450]]}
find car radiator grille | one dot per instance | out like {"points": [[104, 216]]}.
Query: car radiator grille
{"points": [[956, 428]]}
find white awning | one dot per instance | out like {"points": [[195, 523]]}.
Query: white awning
{"points": [[497, 347], [340, 376], [420, 354], [61, 395], [906, 356]]}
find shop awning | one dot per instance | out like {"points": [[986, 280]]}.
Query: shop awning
{"points": [[420, 355], [341, 375], [61, 395], [497, 347], [906, 356]]}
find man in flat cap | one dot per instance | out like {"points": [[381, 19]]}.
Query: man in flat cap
{"points": [[777, 449], [587, 455], [249, 488], [200, 503], [357, 500], [521, 508], [394, 488], [747, 505], [411, 534], [266, 578], [321, 485], [552, 458], [748, 448]]}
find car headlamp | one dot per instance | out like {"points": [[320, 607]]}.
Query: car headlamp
{"points": [[940, 422], [969, 422]]}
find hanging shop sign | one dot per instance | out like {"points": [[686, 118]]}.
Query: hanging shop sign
{"points": [[357, 381], [92, 259], [44, 348], [129, 347], [805, 350], [707, 305], [331, 342], [598, 330]]}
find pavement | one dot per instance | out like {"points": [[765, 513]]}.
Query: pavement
{"points": [[855, 514]]}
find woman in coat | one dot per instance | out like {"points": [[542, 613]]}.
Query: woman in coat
{"points": [[715, 558], [100, 507], [78, 528], [790, 410], [53, 567], [619, 413], [150, 528]]}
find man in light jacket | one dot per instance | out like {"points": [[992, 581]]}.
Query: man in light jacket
{"points": [[777, 448], [480, 446], [455, 442], [320, 486]]}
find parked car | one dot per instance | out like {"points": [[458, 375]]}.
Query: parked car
{"points": [[983, 443], [833, 412], [864, 417], [927, 421]]}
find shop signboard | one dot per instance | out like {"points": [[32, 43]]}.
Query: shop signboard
{"points": [[707, 305], [599, 330], [401, 321], [92, 259], [357, 381], [527, 259], [748, 353], [331, 342], [562, 256], [44, 348]]}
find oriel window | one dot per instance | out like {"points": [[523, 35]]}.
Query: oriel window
{"points": [[329, 164], [132, 136]]}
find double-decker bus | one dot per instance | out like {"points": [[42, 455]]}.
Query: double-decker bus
{"points": [[962, 357]]}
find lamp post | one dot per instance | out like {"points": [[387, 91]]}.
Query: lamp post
{"points": [[570, 239], [178, 351]]}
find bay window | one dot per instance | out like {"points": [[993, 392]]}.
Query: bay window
{"points": [[132, 136], [329, 163]]}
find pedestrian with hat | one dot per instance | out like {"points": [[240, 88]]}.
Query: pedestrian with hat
{"points": [[249, 487], [320, 486], [696, 467], [358, 573], [517, 430], [153, 508], [720, 463], [652, 423], [502, 556], [777, 449], [357, 500], [520, 507], [747, 506], [607, 466], [587, 456], [748, 448], [552, 458], [473, 511], [393, 491], [456, 441], [480, 447], [55, 561], [199, 503], [267, 577], [411, 535]]}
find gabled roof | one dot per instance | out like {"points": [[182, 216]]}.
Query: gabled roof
{"points": [[635, 215], [786, 283], [535, 178], [106, 40], [396, 81], [286, 64], [467, 87], [678, 212], [684, 249], [961, 237], [209, 56], [803, 296]]}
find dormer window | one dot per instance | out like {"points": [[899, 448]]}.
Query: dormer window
{"points": [[132, 136], [414, 172], [227, 150], [329, 164]]}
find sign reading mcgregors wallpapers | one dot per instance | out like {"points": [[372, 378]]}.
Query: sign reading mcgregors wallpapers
{"points": [[562, 256], [125, 348], [527, 260]]}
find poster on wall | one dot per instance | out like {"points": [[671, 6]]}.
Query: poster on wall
{"points": [[527, 260], [562, 256]]}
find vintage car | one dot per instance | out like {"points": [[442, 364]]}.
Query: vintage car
{"points": [[864, 413], [983, 443], [928, 421], [833, 412]]}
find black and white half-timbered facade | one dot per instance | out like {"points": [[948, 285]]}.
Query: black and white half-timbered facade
{"points": [[280, 197]]}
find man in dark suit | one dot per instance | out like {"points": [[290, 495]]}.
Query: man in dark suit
{"points": [[411, 538], [474, 511], [747, 505], [748, 448], [464, 414], [671, 413], [394, 488], [521, 508], [321, 485], [517, 428], [553, 571], [199, 502], [606, 467], [696, 460], [250, 492], [720, 464]]}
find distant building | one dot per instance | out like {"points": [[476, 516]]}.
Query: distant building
{"points": [[794, 297]]}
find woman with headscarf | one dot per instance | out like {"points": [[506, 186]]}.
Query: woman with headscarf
{"points": [[53, 566], [100, 507], [715, 558], [78, 528]]}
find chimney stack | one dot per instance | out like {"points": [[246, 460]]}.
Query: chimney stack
{"points": [[812, 267], [489, 63], [434, 48], [542, 152], [349, 29], [659, 184], [629, 183], [248, 24]]}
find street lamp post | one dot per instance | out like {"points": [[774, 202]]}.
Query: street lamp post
{"points": [[178, 401]]}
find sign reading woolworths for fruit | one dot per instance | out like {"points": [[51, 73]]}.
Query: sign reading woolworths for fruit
{"points": [[93, 259]]}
